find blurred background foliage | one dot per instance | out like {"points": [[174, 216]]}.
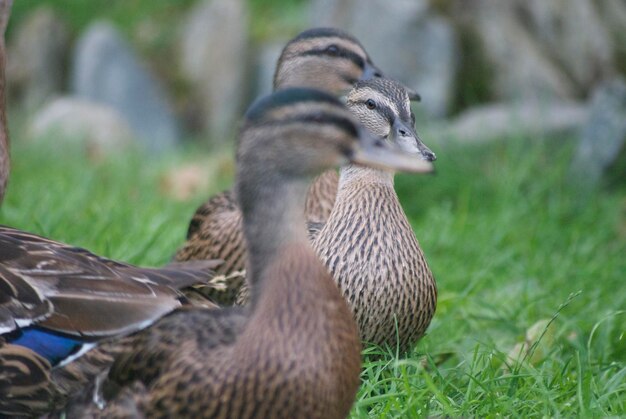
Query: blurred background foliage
{"points": [[524, 223]]}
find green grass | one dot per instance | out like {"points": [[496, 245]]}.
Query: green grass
{"points": [[511, 241]]}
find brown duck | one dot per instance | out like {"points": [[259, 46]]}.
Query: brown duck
{"points": [[367, 243], [56, 301], [298, 354], [322, 58]]}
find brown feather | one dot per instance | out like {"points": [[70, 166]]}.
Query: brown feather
{"points": [[25, 383], [297, 353], [76, 291]]}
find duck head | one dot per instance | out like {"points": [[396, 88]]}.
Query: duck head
{"points": [[384, 107], [317, 132]]}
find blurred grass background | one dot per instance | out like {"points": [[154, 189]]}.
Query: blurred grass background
{"points": [[512, 241]]}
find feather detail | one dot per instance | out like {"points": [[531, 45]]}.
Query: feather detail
{"points": [[58, 301], [73, 291]]}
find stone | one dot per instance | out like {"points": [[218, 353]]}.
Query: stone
{"points": [[521, 68], [613, 14], [107, 71], [575, 36], [214, 58], [603, 136], [410, 43], [503, 120], [101, 129], [38, 53], [266, 66]]}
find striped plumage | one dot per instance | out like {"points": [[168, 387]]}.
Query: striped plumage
{"points": [[367, 242], [371, 250], [297, 354], [215, 231], [57, 300], [322, 58]]}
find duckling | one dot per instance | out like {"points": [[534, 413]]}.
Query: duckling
{"points": [[324, 58], [5, 11], [367, 243], [298, 355], [56, 301]]}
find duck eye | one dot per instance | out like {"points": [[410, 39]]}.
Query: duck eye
{"points": [[332, 49], [370, 104]]}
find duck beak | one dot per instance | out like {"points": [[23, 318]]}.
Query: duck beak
{"points": [[406, 138], [375, 152]]}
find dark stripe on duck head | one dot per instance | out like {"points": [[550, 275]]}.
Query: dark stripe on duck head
{"points": [[325, 33], [340, 122], [287, 97], [336, 51], [319, 118]]}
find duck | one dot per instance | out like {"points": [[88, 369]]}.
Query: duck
{"points": [[297, 354], [56, 302], [367, 242], [323, 58]]}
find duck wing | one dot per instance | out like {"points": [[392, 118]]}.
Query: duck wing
{"points": [[70, 290]]}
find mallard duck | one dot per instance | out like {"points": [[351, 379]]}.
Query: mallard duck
{"points": [[56, 301], [298, 354], [323, 58], [367, 243], [5, 11]]}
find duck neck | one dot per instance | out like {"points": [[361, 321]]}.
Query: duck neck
{"points": [[273, 214], [354, 174]]}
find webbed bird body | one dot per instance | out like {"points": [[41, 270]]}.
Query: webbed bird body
{"points": [[367, 243], [297, 352], [371, 251], [57, 301], [327, 59]]}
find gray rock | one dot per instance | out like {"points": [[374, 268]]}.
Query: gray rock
{"points": [[101, 129], [214, 59], [266, 66], [38, 58], [613, 13], [574, 34], [521, 68], [502, 120], [106, 71], [603, 136], [405, 39]]}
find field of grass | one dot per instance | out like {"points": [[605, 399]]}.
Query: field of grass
{"points": [[516, 248]]}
